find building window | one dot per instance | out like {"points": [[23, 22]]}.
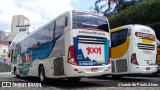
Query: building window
{"points": [[4, 51], [22, 29]]}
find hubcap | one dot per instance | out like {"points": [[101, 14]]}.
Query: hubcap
{"points": [[41, 76]]}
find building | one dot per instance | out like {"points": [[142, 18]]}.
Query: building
{"points": [[19, 23], [4, 46]]}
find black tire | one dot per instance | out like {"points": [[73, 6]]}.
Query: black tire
{"points": [[42, 77], [17, 76], [117, 76], [74, 79], [15, 73]]}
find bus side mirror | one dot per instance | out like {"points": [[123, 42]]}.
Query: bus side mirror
{"points": [[66, 21]]}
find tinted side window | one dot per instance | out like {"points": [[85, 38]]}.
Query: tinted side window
{"points": [[19, 48], [122, 36], [51, 31], [34, 40], [114, 39], [26, 45], [60, 24], [44, 35], [119, 37], [23, 46]]}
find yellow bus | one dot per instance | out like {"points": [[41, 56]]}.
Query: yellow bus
{"points": [[133, 50]]}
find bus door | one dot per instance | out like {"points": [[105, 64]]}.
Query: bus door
{"points": [[19, 63], [19, 58], [27, 61]]}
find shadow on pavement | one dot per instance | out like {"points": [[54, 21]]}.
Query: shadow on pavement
{"points": [[87, 83], [62, 83]]}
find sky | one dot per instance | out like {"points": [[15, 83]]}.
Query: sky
{"points": [[39, 12]]}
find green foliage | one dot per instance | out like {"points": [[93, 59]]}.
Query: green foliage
{"points": [[146, 12], [3, 36]]}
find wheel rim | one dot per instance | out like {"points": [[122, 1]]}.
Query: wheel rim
{"points": [[41, 76], [15, 72]]}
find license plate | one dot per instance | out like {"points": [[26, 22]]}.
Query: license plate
{"points": [[94, 69], [147, 68]]}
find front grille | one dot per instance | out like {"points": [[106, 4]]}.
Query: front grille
{"points": [[146, 46], [92, 40]]}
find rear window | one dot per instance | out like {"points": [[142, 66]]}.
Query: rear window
{"points": [[86, 20]]}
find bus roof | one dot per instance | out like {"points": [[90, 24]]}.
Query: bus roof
{"points": [[130, 25], [70, 11]]}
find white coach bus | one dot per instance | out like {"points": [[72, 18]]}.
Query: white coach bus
{"points": [[133, 50], [73, 45]]}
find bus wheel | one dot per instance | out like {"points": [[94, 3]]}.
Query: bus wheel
{"points": [[15, 73], [17, 76], [117, 76], [75, 79], [42, 77]]}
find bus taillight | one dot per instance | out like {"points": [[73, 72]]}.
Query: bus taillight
{"points": [[109, 58], [134, 59], [109, 61], [71, 56]]}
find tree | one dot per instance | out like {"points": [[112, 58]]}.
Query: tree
{"points": [[113, 6], [122, 4], [96, 9], [106, 3]]}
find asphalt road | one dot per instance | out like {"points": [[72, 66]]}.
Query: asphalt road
{"points": [[96, 83]]}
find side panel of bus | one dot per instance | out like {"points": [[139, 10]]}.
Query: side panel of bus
{"points": [[56, 62], [120, 51], [45, 47]]}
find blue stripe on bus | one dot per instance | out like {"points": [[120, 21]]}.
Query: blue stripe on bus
{"points": [[107, 52], [42, 52]]}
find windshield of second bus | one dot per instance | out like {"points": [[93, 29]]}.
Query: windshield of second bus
{"points": [[85, 20]]}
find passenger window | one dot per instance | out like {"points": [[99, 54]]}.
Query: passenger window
{"points": [[44, 35], [34, 40], [60, 24], [122, 36], [119, 37], [114, 39], [18, 49], [51, 29]]}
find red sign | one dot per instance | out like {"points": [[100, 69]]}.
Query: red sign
{"points": [[27, 58], [91, 50]]}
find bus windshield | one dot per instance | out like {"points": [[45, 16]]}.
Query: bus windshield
{"points": [[86, 20]]}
